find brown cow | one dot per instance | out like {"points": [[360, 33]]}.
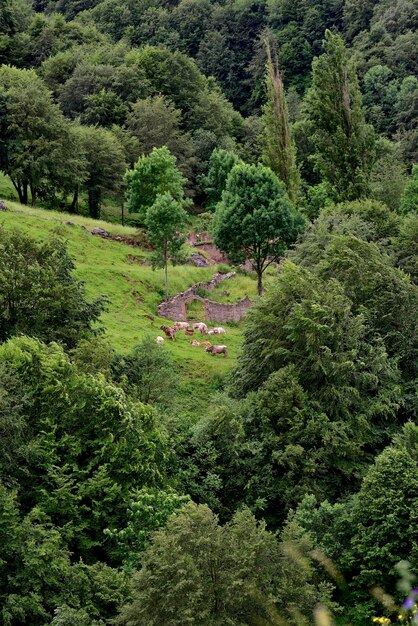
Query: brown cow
{"points": [[217, 350], [169, 331]]}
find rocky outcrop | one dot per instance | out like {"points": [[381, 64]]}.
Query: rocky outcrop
{"points": [[202, 241], [198, 260]]}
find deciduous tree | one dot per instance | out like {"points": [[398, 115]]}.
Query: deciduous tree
{"points": [[409, 199], [39, 295], [105, 165], [147, 373], [279, 148], [221, 163], [155, 122], [165, 220], [255, 219], [38, 150], [217, 569], [82, 446], [153, 175], [344, 143]]}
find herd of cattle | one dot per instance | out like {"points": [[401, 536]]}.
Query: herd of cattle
{"points": [[199, 327]]}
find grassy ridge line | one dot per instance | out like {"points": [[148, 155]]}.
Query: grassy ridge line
{"points": [[134, 290]]}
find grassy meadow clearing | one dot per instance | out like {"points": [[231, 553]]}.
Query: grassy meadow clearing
{"points": [[121, 273]]}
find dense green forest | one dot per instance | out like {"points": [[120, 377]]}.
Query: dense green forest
{"points": [[279, 487]]}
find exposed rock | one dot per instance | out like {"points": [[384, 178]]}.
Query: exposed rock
{"points": [[100, 231], [198, 260], [204, 242]]}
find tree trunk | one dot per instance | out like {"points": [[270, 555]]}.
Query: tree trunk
{"points": [[25, 193], [259, 281], [33, 194], [22, 191], [166, 276], [94, 203], [20, 194], [74, 204]]}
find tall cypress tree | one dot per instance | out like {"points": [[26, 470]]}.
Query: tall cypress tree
{"points": [[279, 150], [344, 143]]}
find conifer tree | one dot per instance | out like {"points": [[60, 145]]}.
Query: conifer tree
{"points": [[344, 144], [279, 148]]}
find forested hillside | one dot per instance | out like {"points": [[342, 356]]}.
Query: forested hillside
{"points": [[208, 312]]}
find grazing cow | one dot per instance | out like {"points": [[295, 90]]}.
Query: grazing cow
{"points": [[181, 325], [169, 331], [194, 343], [201, 327], [211, 332], [160, 340], [218, 330], [217, 350], [188, 332]]}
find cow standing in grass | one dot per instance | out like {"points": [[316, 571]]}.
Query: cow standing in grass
{"points": [[169, 331], [201, 327], [217, 350], [181, 325]]}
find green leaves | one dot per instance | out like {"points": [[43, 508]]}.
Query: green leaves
{"points": [[39, 295], [165, 220], [153, 175], [105, 165], [409, 200], [255, 219], [221, 163], [86, 444], [318, 395], [207, 571], [155, 123], [344, 143], [147, 511], [147, 373], [278, 149]]}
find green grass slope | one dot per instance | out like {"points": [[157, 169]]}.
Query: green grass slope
{"points": [[121, 273]]}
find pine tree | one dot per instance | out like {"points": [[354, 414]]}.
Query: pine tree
{"points": [[279, 152]]}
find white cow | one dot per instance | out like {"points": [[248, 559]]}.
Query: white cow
{"points": [[201, 327], [181, 325]]}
